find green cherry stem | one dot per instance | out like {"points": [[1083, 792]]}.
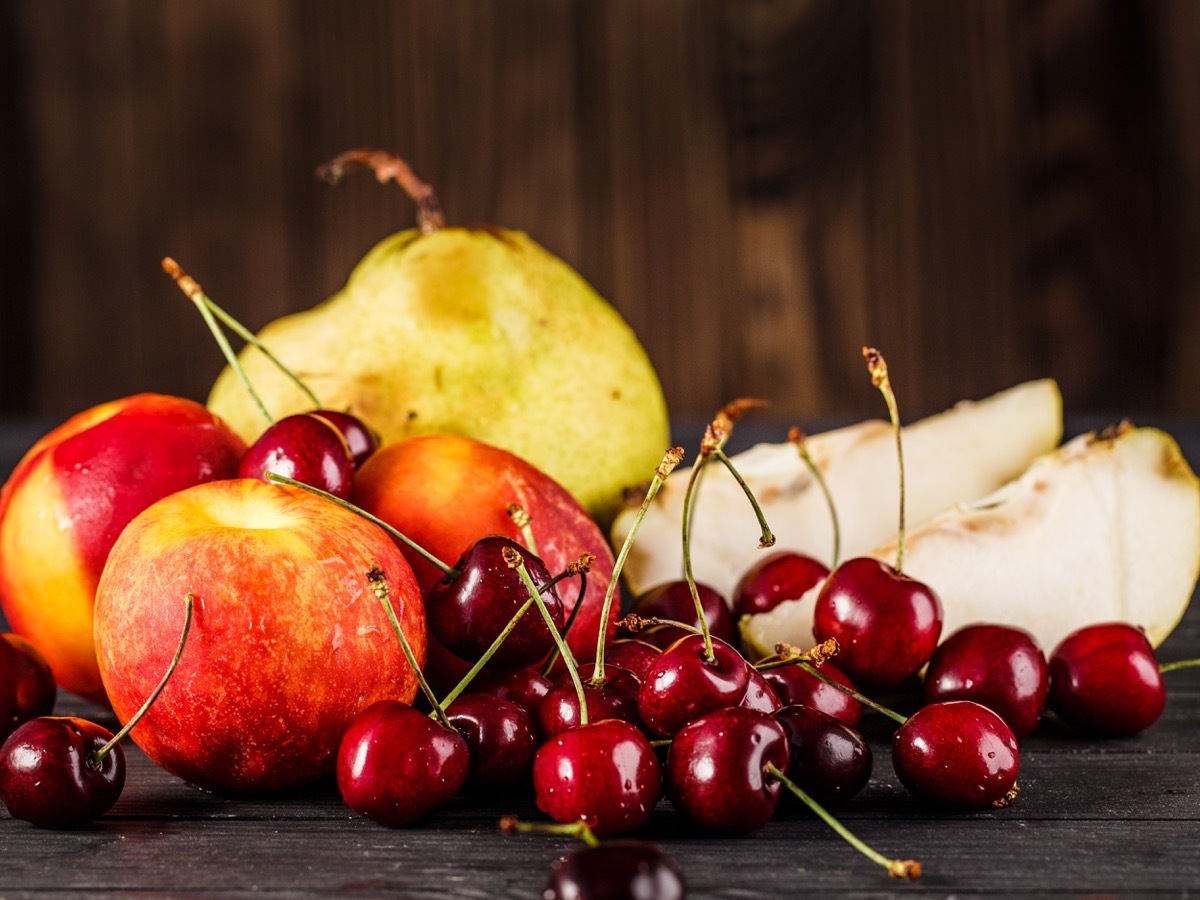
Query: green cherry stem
{"points": [[861, 698], [689, 576], [673, 458], [1180, 664], [908, 869], [514, 560], [382, 591], [458, 689], [581, 567], [877, 366], [358, 511], [578, 830], [96, 757], [800, 441], [767, 539]]}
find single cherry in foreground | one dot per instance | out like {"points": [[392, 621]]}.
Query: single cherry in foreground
{"points": [[958, 754], [501, 741], [795, 685], [827, 758], [305, 447], [684, 684], [1105, 679], [783, 575], [27, 687], [999, 666], [616, 869]]}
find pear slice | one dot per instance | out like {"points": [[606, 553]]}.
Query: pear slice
{"points": [[957, 455], [1106, 528]]}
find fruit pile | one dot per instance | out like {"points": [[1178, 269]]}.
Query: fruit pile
{"points": [[438, 616]]}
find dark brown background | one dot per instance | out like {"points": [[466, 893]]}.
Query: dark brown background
{"points": [[989, 191]]}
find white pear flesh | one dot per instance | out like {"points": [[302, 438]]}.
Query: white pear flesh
{"points": [[1107, 528], [958, 455]]}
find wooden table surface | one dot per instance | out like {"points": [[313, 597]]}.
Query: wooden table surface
{"points": [[1093, 817]]}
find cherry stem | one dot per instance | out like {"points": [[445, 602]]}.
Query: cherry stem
{"points": [[908, 869], [633, 623], [768, 538], [383, 592], [358, 511], [817, 655], [877, 366], [1180, 664], [673, 458], [96, 758], [522, 520], [458, 689], [515, 561], [861, 698], [798, 438], [689, 576], [578, 830], [389, 167], [582, 573]]}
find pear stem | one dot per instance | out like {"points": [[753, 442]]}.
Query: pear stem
{"points": [[358, 511], [1180, 664], [673, 458], [578, 829], [877, 366], [515, 561], [383, 592], [522, 520], [389, 167], [897, 868], [95, 759], [767, 539], [195, 293], [798, 438]]}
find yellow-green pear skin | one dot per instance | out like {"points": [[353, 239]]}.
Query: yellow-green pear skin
{"points": [[478, 332]]}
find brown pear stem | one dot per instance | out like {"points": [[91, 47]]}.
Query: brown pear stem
{"points": [[389, 167]]}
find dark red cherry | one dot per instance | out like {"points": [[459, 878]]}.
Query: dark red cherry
{"points": [[1105, 679], [759, 694], [616, 698], [828, 759], [616, 870], [633, 655], [500, 739], [684, 684], [673, 600], [795, 685], [49, 774], [27, 688], [783, 575], [396, 765], [716, 769], [526, 687], [886, 623], [605, 773], [996, 665], [304, 448], [467, 611], [360, 439], [956, 753]]}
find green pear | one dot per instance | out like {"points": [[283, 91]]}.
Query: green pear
{"points": [[957, 455], [1106, 528], [478, 332]]}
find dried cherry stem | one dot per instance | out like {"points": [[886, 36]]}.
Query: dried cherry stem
{"points": [[94, 759], [817, 655], [580, 567], [877, 366], [515, 561], [1180, 664], [521, 518], [449, 571], [578, 830], [383, 592], [908, 869], [795, 657], [633, 623], [389, 167], [798, 439], [670, 460], [208, 309]]}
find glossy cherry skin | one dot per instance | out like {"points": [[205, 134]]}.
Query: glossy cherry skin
{"points": [[760, 694], [827, 758], [886, 624], [616, 870], [1105, 679], [673, 600], [468, 611], [783, 575], [633, 655], [996, 665], [305, 448], [683, 684], [956, 753], [47, 776], [27, 688], [716, 771], [797, 686], [526, 687], [396, 765], [605, 773], [360, 439], [616, 698], [501, 741]]}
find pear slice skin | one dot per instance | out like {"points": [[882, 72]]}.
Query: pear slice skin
{"points": [[958, 455], [478, 332]]}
